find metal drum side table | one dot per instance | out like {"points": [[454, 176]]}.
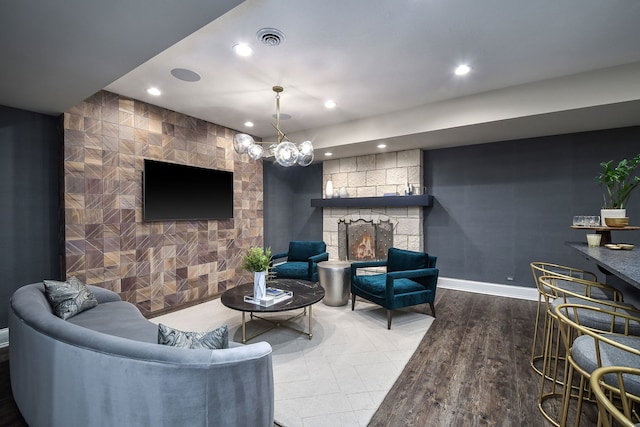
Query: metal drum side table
{"points": [[335, 278]]}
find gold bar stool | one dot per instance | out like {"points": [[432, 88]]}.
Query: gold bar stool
{"points": [[539, 269], [554, 365], [617, 391], [594, 337]]}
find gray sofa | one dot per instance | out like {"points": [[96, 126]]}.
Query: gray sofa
{"points": [[103, 367]]}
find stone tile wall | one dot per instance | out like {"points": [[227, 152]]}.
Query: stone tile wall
{"points": [[372, 176], [155, 265]]}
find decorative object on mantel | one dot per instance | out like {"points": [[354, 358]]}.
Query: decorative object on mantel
{"points": [[617, 185], [285, 152], [257, 260], [343, 192], [408, 191], [328, 191]]}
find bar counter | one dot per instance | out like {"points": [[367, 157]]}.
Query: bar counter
{"points": [[625, 264]]}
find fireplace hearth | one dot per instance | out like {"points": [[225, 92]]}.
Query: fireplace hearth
{"points": [[364, 240]]}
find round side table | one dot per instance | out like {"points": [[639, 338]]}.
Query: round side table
{"points": [[335, 278]]}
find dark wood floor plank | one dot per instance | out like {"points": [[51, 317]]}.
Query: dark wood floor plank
{"points": [[471, 368], [9, 414]]}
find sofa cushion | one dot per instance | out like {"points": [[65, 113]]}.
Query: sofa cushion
{"points": [[130, 322], [376, 284], [69, 298], [402, 260], [214, 340]]}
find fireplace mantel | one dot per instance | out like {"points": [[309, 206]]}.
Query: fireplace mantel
{"points": [[369, 202]]}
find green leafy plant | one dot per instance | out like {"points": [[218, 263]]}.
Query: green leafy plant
{"points": [[617, 182], [256, 259]]}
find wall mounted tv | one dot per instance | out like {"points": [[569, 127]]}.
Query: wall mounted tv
{"points": [[173, 192]]}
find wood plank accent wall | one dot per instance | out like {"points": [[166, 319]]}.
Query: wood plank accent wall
{"points": [[155, 265]]}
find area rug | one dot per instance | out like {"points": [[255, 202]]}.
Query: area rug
{"points": [[337, 378]]}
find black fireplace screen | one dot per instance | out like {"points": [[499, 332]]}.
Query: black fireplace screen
{"points": [[363, 240]]}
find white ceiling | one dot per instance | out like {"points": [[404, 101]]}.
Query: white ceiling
{"points": [[539, 67]]}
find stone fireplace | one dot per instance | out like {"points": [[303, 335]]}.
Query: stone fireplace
{"points": [[363, 240], [374, 176]]}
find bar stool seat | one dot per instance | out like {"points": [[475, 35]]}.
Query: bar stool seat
{"points": [[584, 354], [601, 321]]}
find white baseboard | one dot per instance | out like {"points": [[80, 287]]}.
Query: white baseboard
{"points": [[4, 337], [519, 292]]}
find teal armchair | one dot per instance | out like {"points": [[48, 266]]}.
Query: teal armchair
{"points": [[302, 260], [410, 279]]}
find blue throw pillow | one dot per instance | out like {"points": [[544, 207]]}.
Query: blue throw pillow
{"points": [[69, 298], [214, 340]]}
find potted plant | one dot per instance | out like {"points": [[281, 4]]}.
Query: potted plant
{"points": [[617, 185], [257, 261]]}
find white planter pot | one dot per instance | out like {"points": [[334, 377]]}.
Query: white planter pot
{"points": [[611, 213], [259, 284]]}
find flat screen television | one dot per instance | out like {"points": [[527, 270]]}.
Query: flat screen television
{"points": [[173, 192]]}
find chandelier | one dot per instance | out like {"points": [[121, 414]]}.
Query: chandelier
{"points": [[285, 152]]}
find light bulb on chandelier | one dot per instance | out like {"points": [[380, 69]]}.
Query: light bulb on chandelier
{"points": [[285, 152]]}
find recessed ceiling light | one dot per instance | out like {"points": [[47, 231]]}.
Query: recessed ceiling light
{"points": [[242, 49], [248, 124], [382, 145], [328, 153], [154, 91], [330, 104], [461, 70]]}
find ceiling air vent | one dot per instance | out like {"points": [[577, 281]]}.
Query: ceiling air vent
{"points": [[270, 36]]}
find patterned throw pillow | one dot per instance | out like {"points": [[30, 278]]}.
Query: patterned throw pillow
{"points": [[69, 298], [215, 340]]}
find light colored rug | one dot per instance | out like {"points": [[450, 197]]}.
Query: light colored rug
{"points": [[341, 375]]}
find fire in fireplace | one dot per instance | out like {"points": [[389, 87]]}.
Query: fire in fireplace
{"points": [[363, 240]]}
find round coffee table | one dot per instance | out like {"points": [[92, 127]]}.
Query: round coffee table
{"points": [[305, 294]]}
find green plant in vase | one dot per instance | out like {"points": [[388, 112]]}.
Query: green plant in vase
{"points": [[257, 260], [617, 185]]}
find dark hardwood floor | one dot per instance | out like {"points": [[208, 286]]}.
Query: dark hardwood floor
{"points": [[9, 414], [471, 369]]}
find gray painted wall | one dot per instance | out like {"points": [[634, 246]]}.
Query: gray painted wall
{"points": [[29, 203], [288, 214], [500, 206]]}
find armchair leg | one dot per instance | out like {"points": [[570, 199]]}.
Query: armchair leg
{"points": [[388, 319], [353, 301], [433, 309]]}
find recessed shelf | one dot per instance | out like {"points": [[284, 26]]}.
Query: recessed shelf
{"points": [[367, 202]]}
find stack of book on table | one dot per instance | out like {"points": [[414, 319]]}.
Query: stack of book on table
{"points": [[272, 296]]}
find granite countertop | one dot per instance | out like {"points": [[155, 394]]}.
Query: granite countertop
{"points": [[623, 263]]}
